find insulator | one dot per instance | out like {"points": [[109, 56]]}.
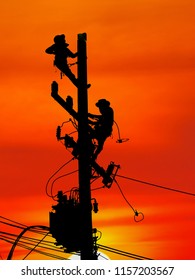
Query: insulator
{"points": [[69, 141], [110, 169], [94, 230], [69, 101], [95, 207], [54, 88], [62, 198], [58, 133]]}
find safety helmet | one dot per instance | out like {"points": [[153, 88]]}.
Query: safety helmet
{"points": [[59, 39], [102, 103]]}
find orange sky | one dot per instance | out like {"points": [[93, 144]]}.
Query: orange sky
{"points": [[141, 57]]}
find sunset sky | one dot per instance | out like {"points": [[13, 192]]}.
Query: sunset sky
{"points": [[141, 57]]}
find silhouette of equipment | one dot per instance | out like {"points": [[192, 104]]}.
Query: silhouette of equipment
{"points": [[67, 105], [95, 206], [69, 142], [120, 140], [107, 175], [65, 223]]}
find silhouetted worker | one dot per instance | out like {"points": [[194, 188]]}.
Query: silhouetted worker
{"points": [[61, 52], [103, 124]]}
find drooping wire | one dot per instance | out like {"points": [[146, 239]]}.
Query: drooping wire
{"points": [[120, 140], [36, 245], [74, 123], [46, 188], [20, 235], [140, 214], [65, 122], [155, 185], [64, 175], [74, 194]]}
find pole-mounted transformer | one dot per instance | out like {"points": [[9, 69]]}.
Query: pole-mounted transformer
{"points": [[65, 223]]}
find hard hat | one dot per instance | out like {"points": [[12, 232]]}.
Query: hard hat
{"points": [[103, 103], [60, 38]]}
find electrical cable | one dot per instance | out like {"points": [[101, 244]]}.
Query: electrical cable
{"points": [[38, 251], [29, 243], [35, 246], [74, 123], [64, 175], [137, 214], [19, 236], [55, 174], [25, 241], [12, 221], [5, 223], [102, 256], [98, 188], [20, 227], [120, 140], [48, 245], [155, 185], [122, 253]]}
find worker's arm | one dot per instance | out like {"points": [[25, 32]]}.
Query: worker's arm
{"points": [[71, 54], [92, 116], [50, 50]]}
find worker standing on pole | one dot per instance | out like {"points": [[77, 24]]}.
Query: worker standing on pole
{"points": [[61, 51]]}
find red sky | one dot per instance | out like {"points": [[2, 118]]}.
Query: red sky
{"points": [[141, 57]]}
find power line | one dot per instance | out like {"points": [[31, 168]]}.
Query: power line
{"points": [[17, 225], [122, 253], [36, 246], [5, 223], [30, 241], [19, 236], [12, 221], [20, 241], [22, 244], [155, 185]]}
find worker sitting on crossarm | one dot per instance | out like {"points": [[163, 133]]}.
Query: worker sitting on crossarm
{"points": [[61, 52], [102, 125]]}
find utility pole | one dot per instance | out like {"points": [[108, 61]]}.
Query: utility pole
{"points": [[79, 236], [87, 250]]}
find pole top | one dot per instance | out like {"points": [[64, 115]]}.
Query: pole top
{"points": [[82, 36]]}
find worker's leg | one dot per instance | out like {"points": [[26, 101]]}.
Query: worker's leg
{"points": [[99, 147]]}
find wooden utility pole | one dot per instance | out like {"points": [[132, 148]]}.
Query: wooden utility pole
{"points": [[87, 250]]}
